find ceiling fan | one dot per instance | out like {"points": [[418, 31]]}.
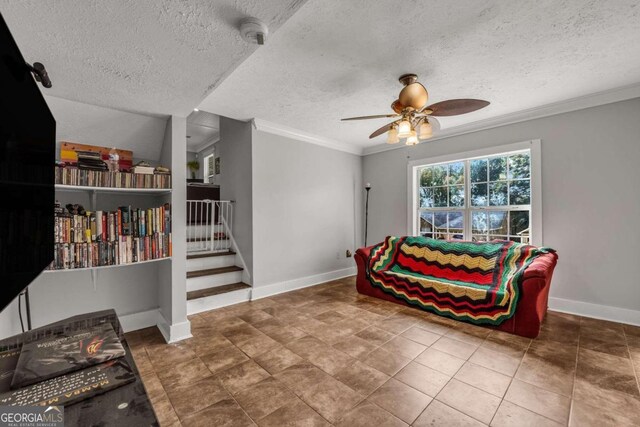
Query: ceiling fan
{"points": [[412, 112]]}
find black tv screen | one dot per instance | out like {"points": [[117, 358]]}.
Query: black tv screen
{"points": [[27, 155]]}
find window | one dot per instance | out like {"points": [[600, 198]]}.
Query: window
{"points": [[209, 171], [478, 198]]}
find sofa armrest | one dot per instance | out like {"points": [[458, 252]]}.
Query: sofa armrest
{"points": [[364, 252], [541, 267]]}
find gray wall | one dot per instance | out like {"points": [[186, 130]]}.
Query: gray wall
{"points": [[590, 202], [190, 157], [172, 279], [307, 202], [235, 182]]}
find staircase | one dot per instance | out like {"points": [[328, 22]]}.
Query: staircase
{"points": [[215, 276]]}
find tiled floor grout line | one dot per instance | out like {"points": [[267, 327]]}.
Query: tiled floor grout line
{"points": [[526, 350], [633, 365], [575, 372], [230, 394], [284, 384], [271, 376], [452, 376], [390, 376], [161, 385], [331, 346], [393, 376]]}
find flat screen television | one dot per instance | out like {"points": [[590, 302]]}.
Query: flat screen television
{"points": [[27, 155]]}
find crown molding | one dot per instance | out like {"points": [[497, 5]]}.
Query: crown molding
{"points": [[600, 98], [208, 143], [289, 132]]}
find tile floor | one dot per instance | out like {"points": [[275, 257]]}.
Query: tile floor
{"points": [[326, 355]]}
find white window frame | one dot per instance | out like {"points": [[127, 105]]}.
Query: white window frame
{"points": [[534, 147], [208, 174]]}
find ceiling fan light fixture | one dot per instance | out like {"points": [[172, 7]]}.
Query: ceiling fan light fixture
{"points": [[411, 113], [412, 140], [425, 130], [404, 128], [392, 136]]}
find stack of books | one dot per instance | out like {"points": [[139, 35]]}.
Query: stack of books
{"points": [[98, 178], [118, 237], [90, 160]]}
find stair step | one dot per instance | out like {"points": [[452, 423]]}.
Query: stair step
{"points": [[212, 271], [206, 239], [209, 254], [203, 293]]}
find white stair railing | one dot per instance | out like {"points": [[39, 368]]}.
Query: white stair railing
{"points": [[209, 225]]}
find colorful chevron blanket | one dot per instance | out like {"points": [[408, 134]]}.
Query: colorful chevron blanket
{"points": [[476, 282]]}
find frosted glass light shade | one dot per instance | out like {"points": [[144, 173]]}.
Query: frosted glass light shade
{"points": [[392, 136], [412, 139], [404, 129], [426, 131]]}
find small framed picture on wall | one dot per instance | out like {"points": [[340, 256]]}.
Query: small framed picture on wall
{"points": [[217, 166]]}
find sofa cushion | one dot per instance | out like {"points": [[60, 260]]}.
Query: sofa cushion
{"points": [[473, 281]]}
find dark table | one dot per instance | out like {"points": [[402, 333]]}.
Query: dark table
{"points": [[128, 405]]}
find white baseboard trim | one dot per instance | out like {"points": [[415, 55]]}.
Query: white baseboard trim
{"points": [[596, 311], [302, 282], [176, 332], [141, 320]]}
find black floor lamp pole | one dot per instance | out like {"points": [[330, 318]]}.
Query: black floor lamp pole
{"points": [[366, 214]]}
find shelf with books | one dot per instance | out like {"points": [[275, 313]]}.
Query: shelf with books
{"points": [[101, 267], [125, 236], [84, 188], [73, 176]]}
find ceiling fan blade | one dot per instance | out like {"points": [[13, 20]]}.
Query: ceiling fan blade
{"points": [[378, 116], [382, 130], [454, 107]]}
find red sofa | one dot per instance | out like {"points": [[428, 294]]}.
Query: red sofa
{"points": [[531, 307]]}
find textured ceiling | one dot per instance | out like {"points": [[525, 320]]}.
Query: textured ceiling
{"points": [[337, 58], [150, 56]]}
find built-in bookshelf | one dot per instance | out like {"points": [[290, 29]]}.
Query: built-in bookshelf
{"points": [[119, 237], [84, 188], [65, 175], [99, 238], [106, 267]]}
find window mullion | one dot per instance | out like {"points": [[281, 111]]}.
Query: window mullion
{"points": [[467, 199]]}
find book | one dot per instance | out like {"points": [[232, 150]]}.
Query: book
{"points": [[147, 170], [72, 387], [104, 238], [49, 358], [8, 362], [89, 176]]}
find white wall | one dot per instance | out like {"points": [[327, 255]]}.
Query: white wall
{"points": [[106, 127], [590, 199], [307, 204], [234, 149], [172, 276]]}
